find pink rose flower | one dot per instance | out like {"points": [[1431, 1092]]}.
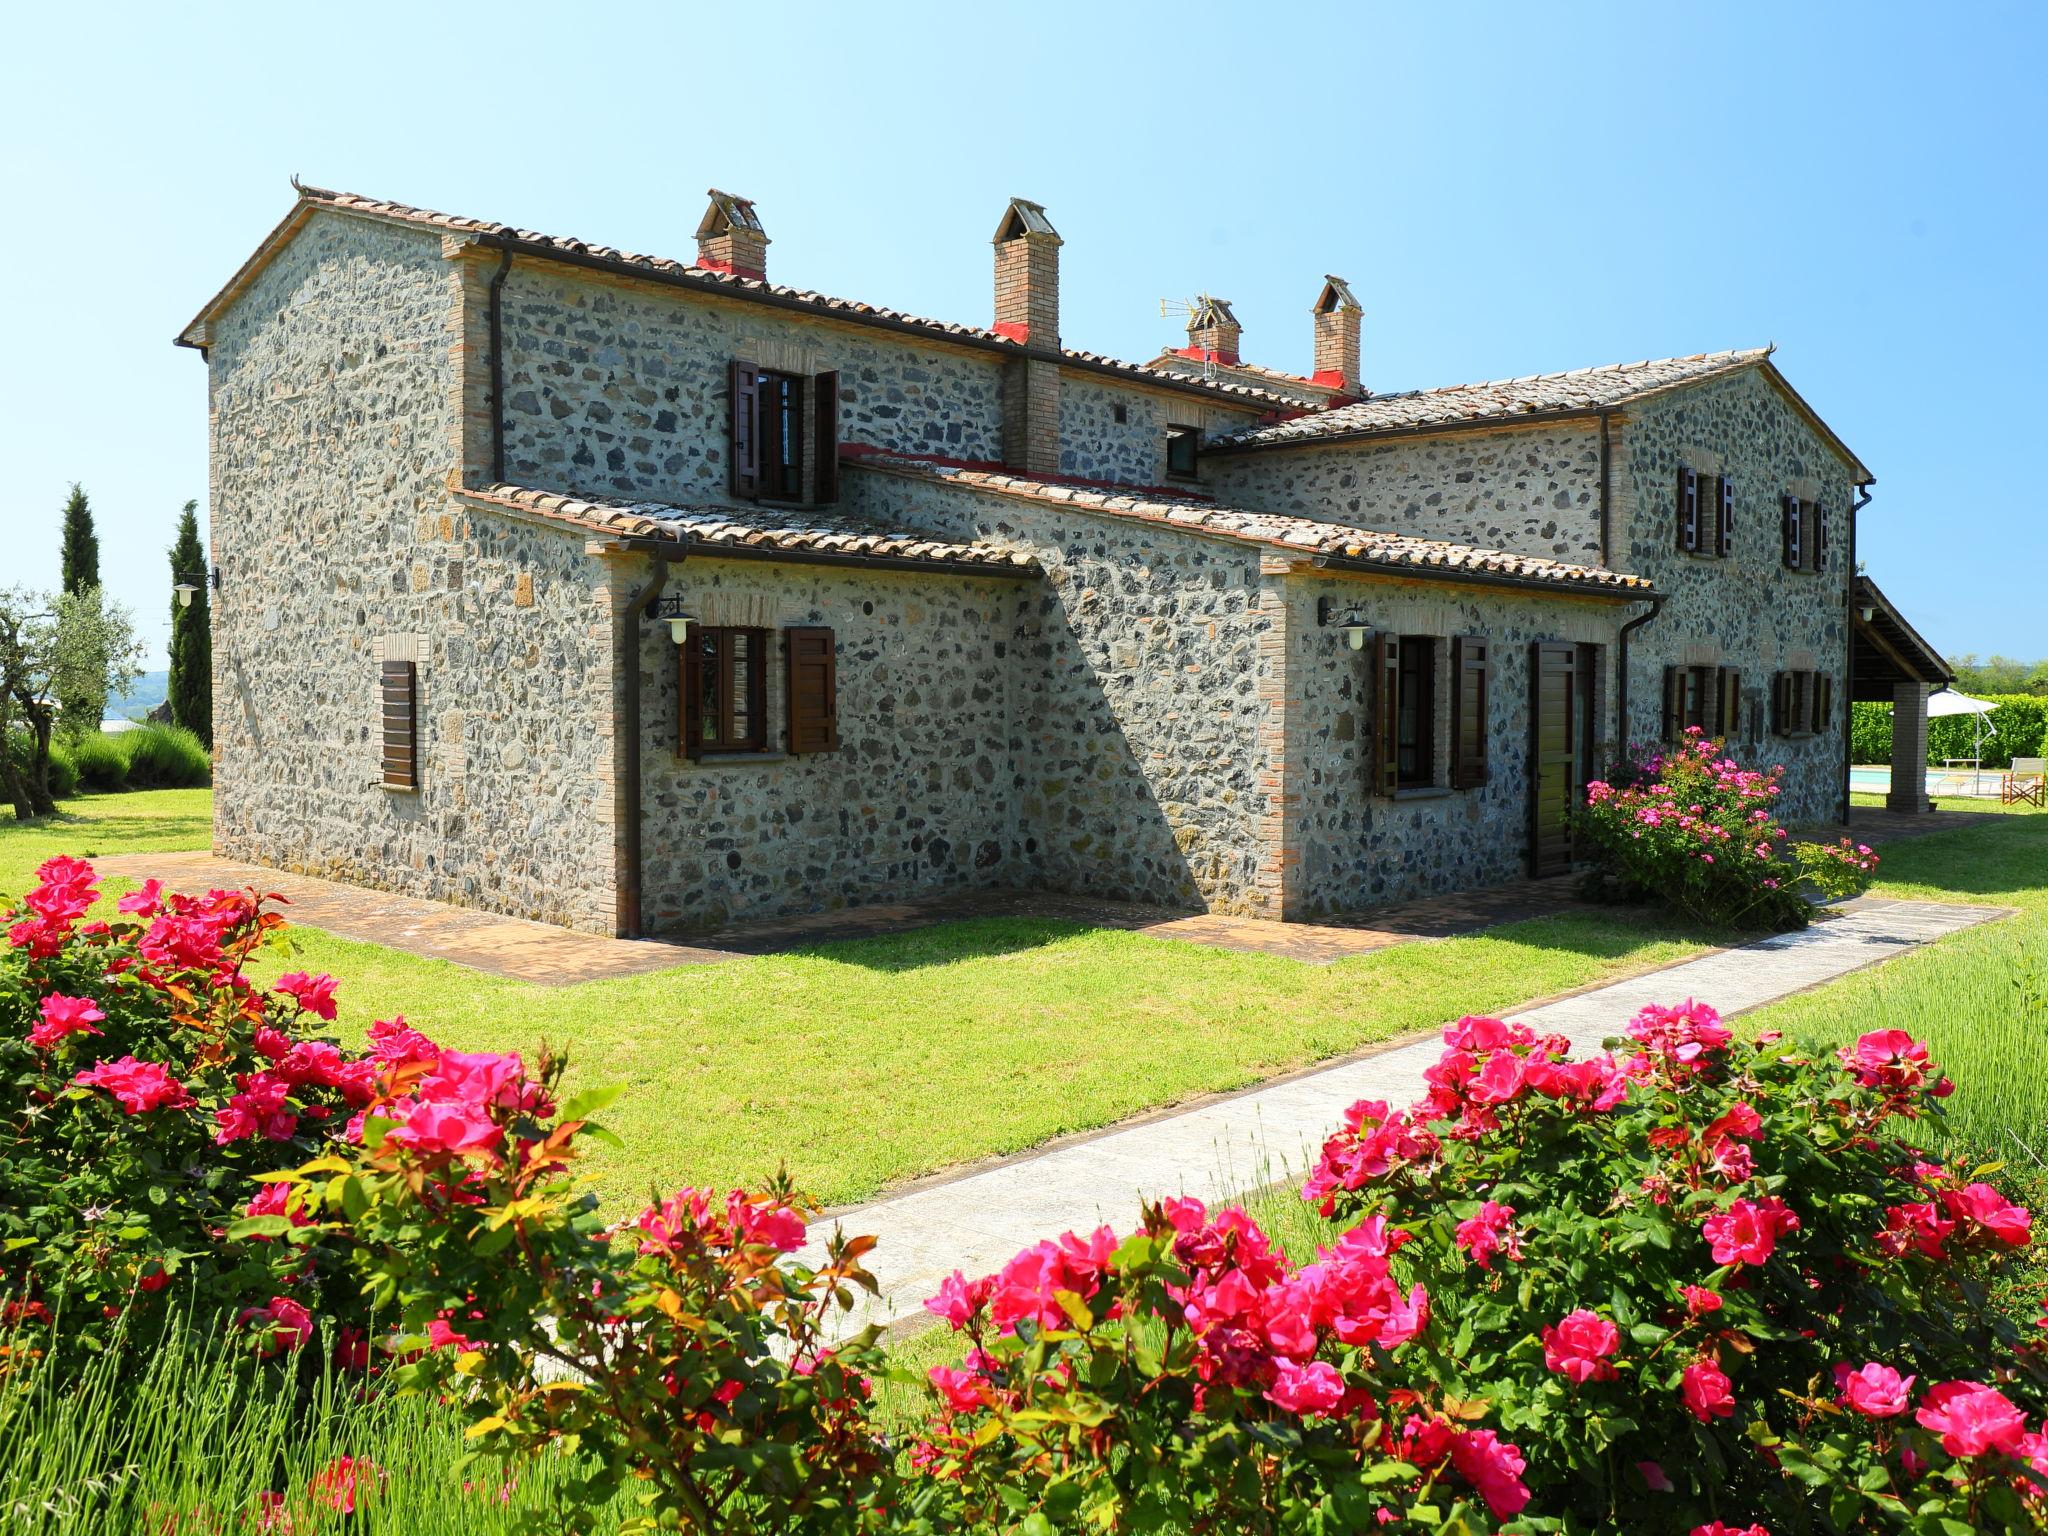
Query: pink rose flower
{"points": [[959, 1298], [1971, 1418], [1493, 1467], [457, 1129], [1491, 1231], [286, 1325], [138, 1085], [1984, 1207], [963, 1391], [1312, 1388], [1876, 1391], [62, 1016], [146, 902], [1578, 1345], [1706, 1391], [1748, 1230]]}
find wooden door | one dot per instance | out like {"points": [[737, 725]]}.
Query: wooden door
{"points": [[1554, 710]]}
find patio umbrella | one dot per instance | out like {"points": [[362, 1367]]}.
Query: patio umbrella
{"points": [[1949, 702]]}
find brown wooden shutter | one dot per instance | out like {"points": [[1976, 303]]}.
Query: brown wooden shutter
{"points": [[1674, 703], [825, 438], [690, 718], [744, 431], [1386, 710], [1792, 531], [400, 722], [1728, 713], [1727, 514], [1823, 702], [1781, 704], [1471, 669], [1820, 535], [811, 665], [1688, 509]]}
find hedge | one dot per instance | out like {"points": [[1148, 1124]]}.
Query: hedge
{"points": [[2021, 719]]}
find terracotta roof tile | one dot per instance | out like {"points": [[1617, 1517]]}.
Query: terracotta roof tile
{"points": [[1584, 389], [740, 287], [794, 531], [1298, 535]]}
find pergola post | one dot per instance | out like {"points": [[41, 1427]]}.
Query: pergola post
{"points": [[1909, 750]]}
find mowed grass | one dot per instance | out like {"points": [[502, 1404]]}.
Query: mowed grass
{"points": [[865, 1063], [1979, 998]]}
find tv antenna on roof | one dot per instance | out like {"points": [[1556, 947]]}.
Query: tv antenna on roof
{"points": [[1187, 309]]}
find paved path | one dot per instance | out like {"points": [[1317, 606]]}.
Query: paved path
{"points": [[1223, 1148]]}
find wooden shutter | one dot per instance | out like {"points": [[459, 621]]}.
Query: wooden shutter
{"points": [[690, 721], [1728, 711], [1674, 703], [1471, 668], [810, 660], [1727, 514], [744, 431], [1820, 536], [1792, 531], [401, 734], [825, 438], [1688, 509], [1823, 702], [1386, 711]]}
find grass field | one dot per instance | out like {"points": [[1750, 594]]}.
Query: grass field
{"points": [[871, 1061]]}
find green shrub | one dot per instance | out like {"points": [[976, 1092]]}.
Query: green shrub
{"points": [[102, 764], [2021, 720], [165, 757], [63, 771]]}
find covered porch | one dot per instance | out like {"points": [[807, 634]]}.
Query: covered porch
{"points": [[1889, 663]]}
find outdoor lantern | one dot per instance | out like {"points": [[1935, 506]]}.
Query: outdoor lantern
{"points": [[1352, 623], [679, 622], [1868, 612], [186, 584], [184, 589]]}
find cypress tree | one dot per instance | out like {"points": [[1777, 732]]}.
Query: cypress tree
{"points": [[191, 682], [81, 544]]}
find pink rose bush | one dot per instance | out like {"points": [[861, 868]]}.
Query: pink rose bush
{"points": [[1689, 826]]}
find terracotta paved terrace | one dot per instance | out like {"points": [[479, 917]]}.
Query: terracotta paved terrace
{"points": [[549, 956]]}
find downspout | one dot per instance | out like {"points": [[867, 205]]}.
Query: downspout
{"points": [[626, 658], [497, 324], [1606, 484], [1849, 659], [1621, 670]]}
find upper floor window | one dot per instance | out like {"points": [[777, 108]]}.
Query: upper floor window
{"points": [[1181, 446], [774, 415], [1706, 513], [1805, 525]]}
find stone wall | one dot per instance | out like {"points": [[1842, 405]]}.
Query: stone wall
{"points": [[919, 795], [620, 388], [1745, 611], [1534, 490], [1141, 696], [332, 417], [1359, 848]]}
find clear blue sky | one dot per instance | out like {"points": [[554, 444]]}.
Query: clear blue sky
{"points": [[1510, 189]]}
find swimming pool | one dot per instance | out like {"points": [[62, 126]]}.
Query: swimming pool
{"points": [[1976, 784]]}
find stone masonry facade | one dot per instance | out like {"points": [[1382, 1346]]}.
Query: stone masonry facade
{"points": [[1132, 708]]}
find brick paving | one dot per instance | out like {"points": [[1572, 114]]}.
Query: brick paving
{"points": [[546, 955]]}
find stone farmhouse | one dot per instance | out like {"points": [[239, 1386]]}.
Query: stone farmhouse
{"points": [[645, 595]]}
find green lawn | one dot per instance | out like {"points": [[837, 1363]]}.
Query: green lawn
{"points": [[146, 820], [868, 1062]]}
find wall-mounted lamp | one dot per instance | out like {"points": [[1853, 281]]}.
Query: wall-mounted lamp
{"points": [[670, 608], [1351, 622], [186, 584], [1868, 612]]}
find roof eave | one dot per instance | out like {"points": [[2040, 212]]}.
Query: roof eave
{"points": [[1367, 566], [1415, 429]]}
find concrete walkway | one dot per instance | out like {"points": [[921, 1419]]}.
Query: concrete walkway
{"points": [[1221, 1149]]}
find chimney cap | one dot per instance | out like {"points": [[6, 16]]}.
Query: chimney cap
{"points": [[727, 213], [1024, 217], [1335, 294], [1210, 310]]}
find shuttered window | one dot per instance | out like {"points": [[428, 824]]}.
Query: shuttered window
{"points": [[1728, 704], [811, 666], [1724, 496], [765, 436], [1818, 515], [1688, 509], [400, 690], [1404, 712], [1802, 704], [725, 691], [743, 431], [1386, 654], [1471, 676], [1708, 697], [825, 439], [1794, 516]]}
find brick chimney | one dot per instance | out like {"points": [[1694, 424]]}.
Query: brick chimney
{"points": [[1028, 311], [1337, 323], [730, 237], [1213, 330]]}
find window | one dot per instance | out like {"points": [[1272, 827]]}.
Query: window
{"points": [[1405, 712], [1181, 445], [1805, 535], [725, 692], [1802, 704], [766, 434], [400, 691], [1708, 697], [1706, 513], [1471, 674]]}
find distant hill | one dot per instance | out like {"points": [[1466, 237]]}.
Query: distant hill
{"points": [[148, 692]]}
